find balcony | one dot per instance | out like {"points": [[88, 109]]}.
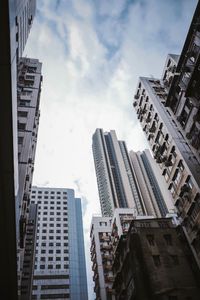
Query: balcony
{"points": [[105, 238], [105, 247], [107, 256], [109, 278], [107, 267]]}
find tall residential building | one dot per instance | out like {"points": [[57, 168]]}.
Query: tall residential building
{"points": [[153, 261], [169, 113], [157, 200], [60, 271], [28, 100], [114, 178], [13, 39], [126, 179]]}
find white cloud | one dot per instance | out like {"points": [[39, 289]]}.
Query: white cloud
{"points": [[91, 68]]}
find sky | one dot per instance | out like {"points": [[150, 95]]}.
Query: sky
{"points": [[93, 52]]}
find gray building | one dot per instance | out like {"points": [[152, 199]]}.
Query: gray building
{"points": [[28, 101], [127, 180], [10, 11], [101, 256], [60, 271], [168, 110], [157, 201], [116, 182]]}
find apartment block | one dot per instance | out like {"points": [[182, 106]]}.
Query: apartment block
{"points": [[101, 256], [28, 101], [154, 261], [126, 180], [158, 104], [105, 234], [14, 17], [157, 200], [60, 271]]}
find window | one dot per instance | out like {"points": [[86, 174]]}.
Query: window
{"points": [[50, 244], [156, 260], [58, 258], [43, 258], [21, 126], [50, 251], [50, 266], [43, 244], [58, 251], [150, 239], [42, 266], [50, 258], [58, 266], [43, 251], [23, 114], [168, 239]]}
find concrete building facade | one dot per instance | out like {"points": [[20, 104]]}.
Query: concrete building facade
{"points": [[177, 163], [10, 11], [60, 271], [105, 233], [154, 261], [28, 101], [101, 256]]}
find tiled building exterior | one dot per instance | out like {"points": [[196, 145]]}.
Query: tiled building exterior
{"points": [[60, 271]]}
